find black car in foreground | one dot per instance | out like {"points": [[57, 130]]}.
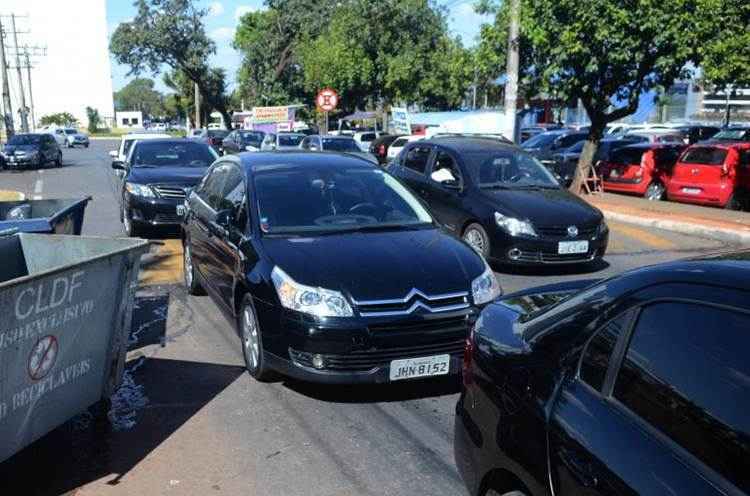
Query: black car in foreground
{"points": [[332, 271], [502, 201], [639, 384], [26, 150], [158, 173]]}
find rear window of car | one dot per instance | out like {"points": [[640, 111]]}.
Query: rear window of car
{"points": [[218, 134], [367, 137], [628, 156], [399, 142], [704, 156]]}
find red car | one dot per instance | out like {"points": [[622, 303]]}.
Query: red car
{"points": [[644, 169], [716, 174]]}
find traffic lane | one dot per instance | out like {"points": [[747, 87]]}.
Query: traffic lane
{"points": [[85, 172]]}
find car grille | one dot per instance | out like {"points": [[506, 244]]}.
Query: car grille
{"points": [[170, 192], [553, 258], [167, 219], [413, 301], [562, 232], [368, 360]]}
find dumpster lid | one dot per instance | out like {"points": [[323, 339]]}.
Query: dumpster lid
{"points": [[29, 255]]}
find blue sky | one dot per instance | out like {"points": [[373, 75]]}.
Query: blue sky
{"points": [[222, 20]]}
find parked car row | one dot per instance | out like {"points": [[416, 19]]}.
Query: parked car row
{"points": [[30, 150]]}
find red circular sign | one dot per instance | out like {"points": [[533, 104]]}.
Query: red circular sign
{"points": [[42, 357], [327, 99]]}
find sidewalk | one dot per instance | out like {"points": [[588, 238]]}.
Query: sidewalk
{"points": [[708, 222]]}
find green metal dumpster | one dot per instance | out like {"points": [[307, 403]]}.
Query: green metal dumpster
{"points": [[65, 316], [43, 216]]}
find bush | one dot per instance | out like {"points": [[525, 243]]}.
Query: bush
{"points": [[59, 119], [94, 119]]}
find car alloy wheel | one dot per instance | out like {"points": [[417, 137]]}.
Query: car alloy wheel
{"points": [[252, 341], [127, 223], [476, 237], [655, 191]]}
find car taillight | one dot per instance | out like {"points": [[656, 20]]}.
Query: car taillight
{"points": [[466, 373], [381, 149]]}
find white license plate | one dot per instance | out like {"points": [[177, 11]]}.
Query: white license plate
{"points": [[691, 191], [412, 368], [181, 210], [570, 247]]}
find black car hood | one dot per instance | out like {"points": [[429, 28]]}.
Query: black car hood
{"points": [[543, 207], [378, 265], [183, 176], [11, 149]]}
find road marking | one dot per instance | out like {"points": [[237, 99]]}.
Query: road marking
{"points": [[36, 197], [38, 186], [164, 265], [643, 236]]}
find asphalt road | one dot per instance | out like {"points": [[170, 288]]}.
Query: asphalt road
{"points": [[191, 421]]}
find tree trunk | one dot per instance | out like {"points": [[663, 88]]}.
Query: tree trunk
{"points": [[585, 162]]}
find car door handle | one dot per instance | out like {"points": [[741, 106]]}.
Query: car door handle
{"points": [[579, 469]]}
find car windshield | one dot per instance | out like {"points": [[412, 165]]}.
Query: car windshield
{"points": [[218, 133], [732, 134], [25, 139], [704, 156], [340, 145], [254, 138], [173, 154], [542, 139], [509, 169], [627, 156], [290, 139], [325, 200], [70, 131]]}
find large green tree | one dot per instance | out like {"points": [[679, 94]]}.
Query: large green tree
{"points": [[726, 51], [171, 33], [607, 54], [139, 94]]}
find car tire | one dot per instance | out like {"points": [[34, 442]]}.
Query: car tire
{"points": [[476, 237], [131, 230], [86, 145], [734, 203], [655, 191], [58, 160], [251, 340], [191, 283]]}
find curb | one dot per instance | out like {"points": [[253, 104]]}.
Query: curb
{"points": [[718, 233]]}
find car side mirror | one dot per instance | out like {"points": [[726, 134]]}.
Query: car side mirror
{"points": [[117, 165], [451, 184]]}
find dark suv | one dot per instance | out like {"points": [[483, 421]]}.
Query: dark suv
{"points": [[639, 384], [31, 150]]}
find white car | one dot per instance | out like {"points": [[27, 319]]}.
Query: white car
{"points": [[400, 143], [365, 138], [59, 134], [127, 141]]}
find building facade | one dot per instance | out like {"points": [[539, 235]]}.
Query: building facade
{"points": [[70, 67]]}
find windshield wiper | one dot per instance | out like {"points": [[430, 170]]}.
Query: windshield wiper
{"points": [[372, 228], [535, 186], [495, 186]]}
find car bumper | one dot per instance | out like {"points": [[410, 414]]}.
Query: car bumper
{"points": [[545, 251], [635, 186], [154, 211], [359, 350], [716, 195], [15, 161]]}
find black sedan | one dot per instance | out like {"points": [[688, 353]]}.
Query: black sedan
{"points": [[241, 140], [319, 259], [26, 150], [636, 385], [157, 175], [502, 201]]}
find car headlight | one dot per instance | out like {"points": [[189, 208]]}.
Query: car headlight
{"points": [[139, 190], [485, 288], [514, 226], [603, 228], [252, 148], [315, 301]]}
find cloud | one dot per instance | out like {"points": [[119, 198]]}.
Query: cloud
{"points": [[464, 21], [222, 34], [215, 9], [244, 9]]}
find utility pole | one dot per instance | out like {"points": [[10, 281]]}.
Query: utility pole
{"points": [[197, 107], [7, 110], [22, 110], [31, 94], [511, 83]]}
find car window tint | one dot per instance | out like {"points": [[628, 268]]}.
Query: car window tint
{"points": [[416, 158], [705, 156], [212, 187], [686, 373], [595, 359], [571, 139], [445, 169]]}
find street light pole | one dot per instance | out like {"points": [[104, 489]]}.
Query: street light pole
{"points": [[511, 83], [7, 110], [31, 94], [22, 110]]}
